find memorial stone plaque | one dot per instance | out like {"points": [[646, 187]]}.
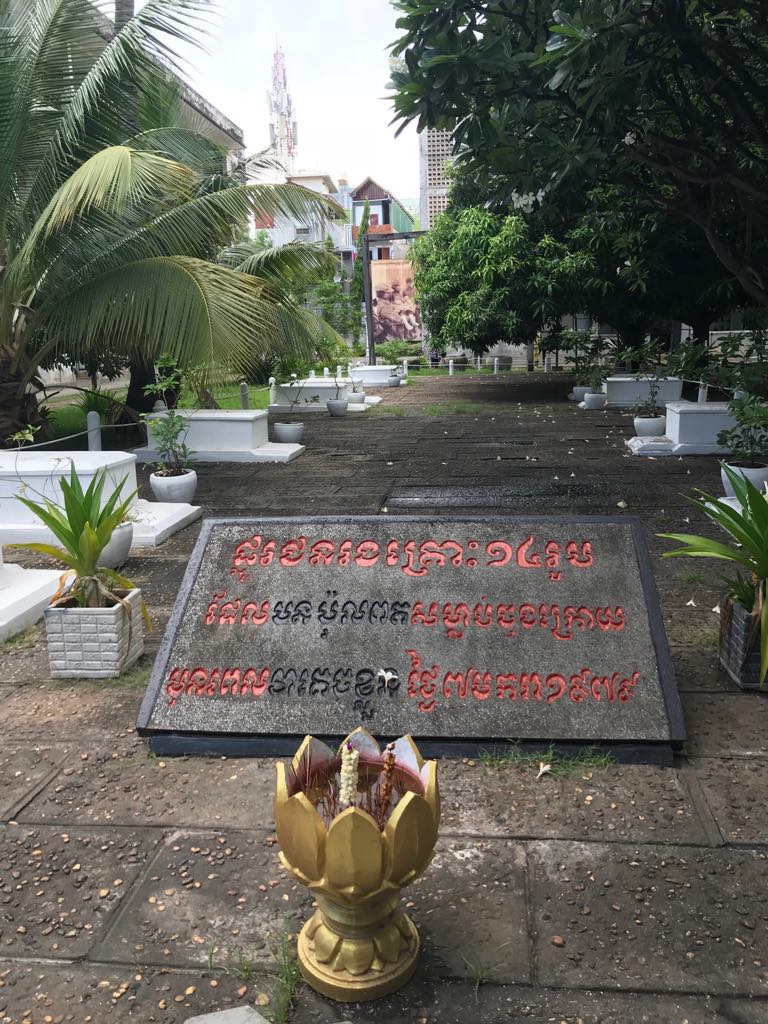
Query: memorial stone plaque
{"points": [[466, 633]]}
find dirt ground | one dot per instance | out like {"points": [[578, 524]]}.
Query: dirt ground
{"points": [[140, 889]]}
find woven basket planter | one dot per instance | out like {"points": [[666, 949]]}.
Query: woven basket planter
{"points": [[95, 643], [740, 659]]}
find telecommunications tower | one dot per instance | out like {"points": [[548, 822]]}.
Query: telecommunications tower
{"points": [[282, 125]]}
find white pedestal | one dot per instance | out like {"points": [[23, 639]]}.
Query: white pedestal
{"points": [[692, 429], [227, 435], [36, 475], [24, 594], [622, 391], [375, 376]]}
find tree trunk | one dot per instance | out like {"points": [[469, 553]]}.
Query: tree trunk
{"points": [[700, 328], [18, 404], [142, 373]]}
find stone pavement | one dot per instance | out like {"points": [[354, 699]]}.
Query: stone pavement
{"points": [[136, 889]]}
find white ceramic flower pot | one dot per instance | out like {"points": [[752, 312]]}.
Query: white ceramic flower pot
{"points": [[337, 406], [288, 433], [578, 393], [394, 382], [116, 552], [758, 475], [650, 426], [357, 397], [174, 488], [96, 643], [594, 400]]}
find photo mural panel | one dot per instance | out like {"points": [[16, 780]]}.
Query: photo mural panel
{"points": [[395, 305], [503, 628]]}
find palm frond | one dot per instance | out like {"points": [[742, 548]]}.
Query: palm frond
{"points": [[284, 265], [190, 309]]}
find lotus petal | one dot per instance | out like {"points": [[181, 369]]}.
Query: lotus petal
{"points": [[431, 788], [362, 740], [300, 830], [407, 754], [355, 956], [354, 853], [314, 751], [388, 943], [326, 944], [410, 836]]}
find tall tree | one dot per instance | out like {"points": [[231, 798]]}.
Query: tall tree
{"points": [[107, 232], [671, 98]]}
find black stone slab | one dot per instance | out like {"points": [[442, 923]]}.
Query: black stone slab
{"points": [[466, 633]]}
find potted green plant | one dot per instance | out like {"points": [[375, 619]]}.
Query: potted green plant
{"points": [[595, 396], [173, 480], [292, 432], [744, 610], [747, 442], [337, 406], [94, 624], [648, 421]]}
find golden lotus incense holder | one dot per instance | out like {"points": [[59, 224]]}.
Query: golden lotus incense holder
{"points": [[356, 826]]}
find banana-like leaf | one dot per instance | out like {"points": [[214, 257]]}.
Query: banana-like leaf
{"points": [[702, 547], [60, 554], [54, 520]]}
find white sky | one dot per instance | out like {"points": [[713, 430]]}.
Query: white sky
{"points": [[337, 61]]}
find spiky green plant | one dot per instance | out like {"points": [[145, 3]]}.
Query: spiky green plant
{"points": [[83, 527], [748, 528], [112, 211]]}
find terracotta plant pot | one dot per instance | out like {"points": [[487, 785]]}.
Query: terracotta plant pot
{"points": [[359, 944]]}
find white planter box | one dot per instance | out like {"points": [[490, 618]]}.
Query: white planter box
{"points": [[312, 393], [622, 391], [37, 475], [96, 643], [692, 427], [375, 376], [226, 435]]}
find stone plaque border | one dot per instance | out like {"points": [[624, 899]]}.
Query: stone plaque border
{"points": [[169, 743]]}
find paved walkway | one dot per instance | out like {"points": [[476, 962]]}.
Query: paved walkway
{"points": [[135, 889]]}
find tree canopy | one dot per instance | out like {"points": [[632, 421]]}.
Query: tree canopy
{"points": [[668, 98]]}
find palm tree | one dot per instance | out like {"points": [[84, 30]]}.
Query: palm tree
{"points": [[112, 212]]}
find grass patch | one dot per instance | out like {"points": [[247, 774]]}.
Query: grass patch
{"points": [[228, 397], [64, 420], [240, 965], [562, 764], [458, 408], [288, 977], [27, 638], [695, 577], [388, 410]]}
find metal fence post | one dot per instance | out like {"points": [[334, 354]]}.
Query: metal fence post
{"points": [[94, 431], [450, 367], [496, 367], [245, 401]]}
